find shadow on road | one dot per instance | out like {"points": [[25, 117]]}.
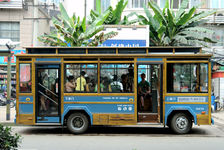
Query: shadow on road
{"points": [[111, 131]]}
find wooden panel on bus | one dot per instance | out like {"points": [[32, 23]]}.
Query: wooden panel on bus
{"points": [[202, 119], [25, 119], [113, 119]]}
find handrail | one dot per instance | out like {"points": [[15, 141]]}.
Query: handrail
{"points": [[48, 90], [47, 97]]}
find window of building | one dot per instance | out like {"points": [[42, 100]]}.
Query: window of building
{"points": [[117, 78], [160, 3], [10, 30], [187, 78], [25, 78], [81, 78], [103, 4], [217, 3], [218, 36]]}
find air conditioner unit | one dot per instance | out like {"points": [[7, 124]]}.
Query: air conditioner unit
{"points": [[220, 14]]}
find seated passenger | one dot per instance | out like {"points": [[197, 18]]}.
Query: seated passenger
{"points": [[70, 85], [143, 90], [115, 86]]}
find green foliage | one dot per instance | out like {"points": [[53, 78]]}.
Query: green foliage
{"points": [[73, 31], [114, 17], [182, 28], [8, 141]]}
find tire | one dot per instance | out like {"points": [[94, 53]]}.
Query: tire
{"points": [[77, 123], [181, 123]]}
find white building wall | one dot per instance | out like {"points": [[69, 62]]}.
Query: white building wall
{"points": [[78, 7]]}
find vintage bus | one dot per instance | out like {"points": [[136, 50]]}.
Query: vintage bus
{"points": [[79, 87]]}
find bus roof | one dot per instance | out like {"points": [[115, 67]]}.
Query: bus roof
{"points": [[112, 50]]}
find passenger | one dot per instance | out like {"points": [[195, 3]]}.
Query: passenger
{"points": [[70, 85], [124, 81], [81, 82], [42, 90], [143, 90], [115, 86], [130, 76], [87, 87]]}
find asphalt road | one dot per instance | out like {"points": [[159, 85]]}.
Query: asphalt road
{"points": [[120, 138]]}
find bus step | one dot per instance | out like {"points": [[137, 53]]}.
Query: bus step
{"points": [[148, 117]]}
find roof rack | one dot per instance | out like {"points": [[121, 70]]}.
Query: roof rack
{"points": [[111, 50]]}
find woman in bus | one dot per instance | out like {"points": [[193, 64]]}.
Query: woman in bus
{"points": [[70, 85], [143, 91]]}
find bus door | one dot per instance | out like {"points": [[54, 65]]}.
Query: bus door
{"points": [[149, 93], [48, 93]]}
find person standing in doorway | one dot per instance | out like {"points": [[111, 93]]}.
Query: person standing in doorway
{"points": [[143, 90]]}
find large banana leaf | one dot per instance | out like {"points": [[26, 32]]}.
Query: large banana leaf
{"points": [[182, 9], [74, 32], [166, 28], [118, 10], [186, 17]]}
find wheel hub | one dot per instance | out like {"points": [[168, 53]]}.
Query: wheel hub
{"points": [[78, 122], [182, 123]]}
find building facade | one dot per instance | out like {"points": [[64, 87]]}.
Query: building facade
{"points": [[23, 21]]}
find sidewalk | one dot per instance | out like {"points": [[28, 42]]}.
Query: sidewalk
{"points": [[218, 117], [3, 115]]}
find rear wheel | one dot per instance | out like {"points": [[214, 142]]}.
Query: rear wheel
{"points": [[181, 123], [77, 123]]}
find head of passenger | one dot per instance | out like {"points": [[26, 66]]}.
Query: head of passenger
{"points": [[115, 78], [70, 79], [124, 78], [143, 76], [83, 73], [131, 70]]}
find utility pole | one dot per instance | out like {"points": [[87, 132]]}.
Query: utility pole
{"points": [[10, 45], [35, 22], [8, 85], [85, 5]]}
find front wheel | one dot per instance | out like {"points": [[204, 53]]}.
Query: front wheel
{"points": [[181, 123], [77, 123]]}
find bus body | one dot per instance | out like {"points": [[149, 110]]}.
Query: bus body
{"points": [[74, 87]]}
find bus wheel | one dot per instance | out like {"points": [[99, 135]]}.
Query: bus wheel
{"points": [[181, 123], [77, 123]]}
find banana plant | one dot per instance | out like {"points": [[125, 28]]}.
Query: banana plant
{"points": [[182, 28], [114, 16], [72, 31]]}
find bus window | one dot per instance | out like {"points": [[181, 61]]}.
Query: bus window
{"points": [[81, 78], [25, 78], [204, 77], [187, 78], [117, 78]]}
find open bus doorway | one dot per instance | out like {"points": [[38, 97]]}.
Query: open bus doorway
{"points": [[149, 92], [47, 94]]}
